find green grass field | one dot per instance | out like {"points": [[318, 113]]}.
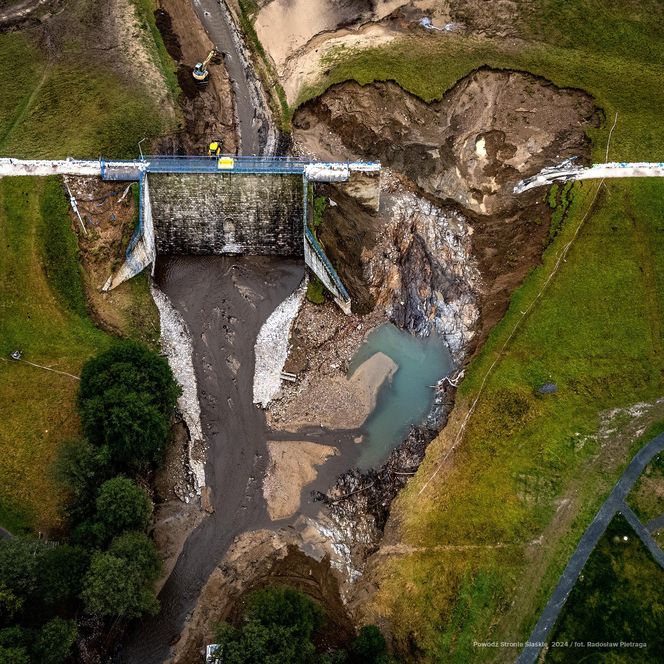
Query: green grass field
{"points": [[617, 598], [68, 100], [647, 496], [488, 532], [42, 316]]}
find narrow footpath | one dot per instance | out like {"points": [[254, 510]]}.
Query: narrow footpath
{"points": [[613, 505]]}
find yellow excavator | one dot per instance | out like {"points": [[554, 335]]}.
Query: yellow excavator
{"points": [[200, 71], [214, 150]]}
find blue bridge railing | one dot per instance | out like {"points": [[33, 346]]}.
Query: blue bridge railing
{"points": [[329, 268], [225, 163]]}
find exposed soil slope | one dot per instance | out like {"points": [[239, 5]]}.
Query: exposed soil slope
{"points": [[468, 150], [208, 111]]}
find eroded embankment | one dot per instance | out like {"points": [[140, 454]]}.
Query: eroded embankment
{"points": [[464, 154], [451, 241]]}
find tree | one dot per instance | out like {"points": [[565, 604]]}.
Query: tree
{"points": [[54, 641], [369, 647], [119, 581], [139, 551], [134, 368], [14, 656], [61, 573], [80, 468], [14, 645], [122, 505], [10, 604], [126, 399], [19, 560], [279, 624]]}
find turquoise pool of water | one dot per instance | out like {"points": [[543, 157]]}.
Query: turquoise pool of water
{"points": [[408, 398]]}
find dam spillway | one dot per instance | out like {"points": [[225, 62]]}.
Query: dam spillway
{"points": [[224, 204], [226, 213]]}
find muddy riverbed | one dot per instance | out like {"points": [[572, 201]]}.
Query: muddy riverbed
{"points": [[224, 301]]}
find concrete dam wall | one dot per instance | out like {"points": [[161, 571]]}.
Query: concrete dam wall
{"points": [[214, 213]]}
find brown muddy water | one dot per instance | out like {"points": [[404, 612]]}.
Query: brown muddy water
{"points": [[225, 300]]}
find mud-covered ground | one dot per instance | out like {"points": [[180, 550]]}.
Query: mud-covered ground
{"points": [[224, 301], [464, 154], [207, 110]]}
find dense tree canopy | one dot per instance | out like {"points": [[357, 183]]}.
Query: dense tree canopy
{"points": [[280, 622], [126, 398], [19, 562], [54, 641], [81, 468], [119, 581], [60, 574]]}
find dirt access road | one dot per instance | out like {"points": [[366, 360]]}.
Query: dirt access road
{"points": [[217, 22], [224, 300]]}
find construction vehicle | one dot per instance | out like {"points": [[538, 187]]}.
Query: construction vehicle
{"points": [[214, 150], [200, 72]]}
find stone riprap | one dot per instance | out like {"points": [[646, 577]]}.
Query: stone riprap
{"points": [[201, 213]]}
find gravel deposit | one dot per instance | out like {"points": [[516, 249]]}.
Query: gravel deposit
{"points": [[177, 346], [272, 347]]}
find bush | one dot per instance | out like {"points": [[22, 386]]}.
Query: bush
{"points": [[118, 583], [54, 641], [369, 647], [315, 291], [126, 399], [122, 505], [279, 625]]}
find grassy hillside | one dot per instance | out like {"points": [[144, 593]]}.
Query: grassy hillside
{"points": [[487, 530], [41, 315], [64, 92]]}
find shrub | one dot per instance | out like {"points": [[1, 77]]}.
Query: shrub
{"points": [[279, 625], [369, 647], [122, 505], [315, 291]]}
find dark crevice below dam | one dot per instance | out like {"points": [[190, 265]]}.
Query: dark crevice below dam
{"points": [[405, 400]]}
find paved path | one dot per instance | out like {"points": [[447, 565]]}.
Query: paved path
{"points": [[655, 524], [614, 503]]}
